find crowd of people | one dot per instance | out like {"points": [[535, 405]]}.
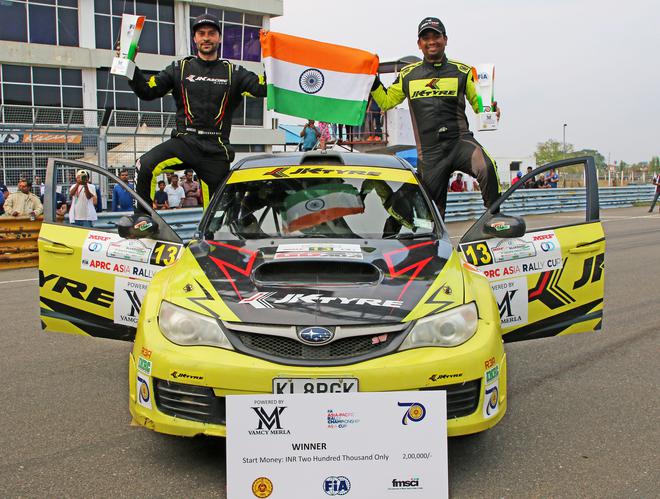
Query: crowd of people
{"points": [[548, 181]]}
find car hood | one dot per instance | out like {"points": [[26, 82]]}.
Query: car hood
{"points": [[313, 282]]}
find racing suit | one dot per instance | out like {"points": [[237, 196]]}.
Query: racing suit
{"points": [[206, 94], [436, 94]]}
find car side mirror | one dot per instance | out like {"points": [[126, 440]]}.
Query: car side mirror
{"points": [[143, 227], [505, 226]]}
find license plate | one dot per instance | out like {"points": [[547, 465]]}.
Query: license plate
{"points": [[314, 385]]}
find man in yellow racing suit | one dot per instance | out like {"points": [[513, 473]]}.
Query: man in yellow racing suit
{"points": [[436, 89]]}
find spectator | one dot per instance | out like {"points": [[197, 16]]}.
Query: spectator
{"points": [[193, 192], [458, 185], [310, 135], [83, 198], [160, 198], [375, 122], [656, 182], [60, 207], [175, 193], [325, 136], [530, 183], [516, 179], [23, 202], [42, 187], [121, 198], [551, 179]]}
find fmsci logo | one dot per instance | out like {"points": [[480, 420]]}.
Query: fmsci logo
{"points": [[336, 485]]}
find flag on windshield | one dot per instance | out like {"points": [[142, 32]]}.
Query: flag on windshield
{"points": [[322, 203], [316, 80]]}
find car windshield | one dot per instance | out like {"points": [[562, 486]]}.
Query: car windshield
{"points": [[320, 207]]}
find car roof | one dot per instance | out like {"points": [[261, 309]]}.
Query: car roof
{"points": [[329, 158]]}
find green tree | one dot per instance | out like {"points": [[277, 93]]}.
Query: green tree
{"points": [[654, 164], [551, 150], [601, 164]]}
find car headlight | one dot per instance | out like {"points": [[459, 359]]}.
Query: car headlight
{"points": [[448, 329], [184, 327]]}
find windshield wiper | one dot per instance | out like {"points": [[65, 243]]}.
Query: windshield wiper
{"points": [[410, 235]]}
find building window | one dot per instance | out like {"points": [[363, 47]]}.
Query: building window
{"points": [[250, 112], [40, 86], [240, 33], [113, 92], [157, 34], [51, 22]]}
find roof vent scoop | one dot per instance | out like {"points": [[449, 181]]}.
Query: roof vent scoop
{"points": [[316, 273]]}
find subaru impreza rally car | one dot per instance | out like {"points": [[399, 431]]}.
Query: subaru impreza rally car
{"points": [[319, 273]]}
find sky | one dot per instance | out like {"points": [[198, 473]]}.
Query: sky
{"points": [[593, 65]]}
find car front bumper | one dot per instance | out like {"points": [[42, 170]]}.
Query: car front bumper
{"points": [[186, 386]]}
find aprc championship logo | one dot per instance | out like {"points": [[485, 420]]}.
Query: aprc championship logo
{"points": [[269, 422]]}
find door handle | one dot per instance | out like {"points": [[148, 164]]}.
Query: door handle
{"points": [[589, 248], [60, 248]]}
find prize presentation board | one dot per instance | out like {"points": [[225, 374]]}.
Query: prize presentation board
{"points": [[363, 445]]}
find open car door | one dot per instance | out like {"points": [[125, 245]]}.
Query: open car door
{"points": [[547, 278], [91, 280]]}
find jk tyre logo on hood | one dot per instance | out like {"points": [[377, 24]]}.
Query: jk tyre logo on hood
{"points": [[268, 300]]}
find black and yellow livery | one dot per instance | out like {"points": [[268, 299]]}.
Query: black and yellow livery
{"points": [[206, 94], [437, 93], [323, 268]]}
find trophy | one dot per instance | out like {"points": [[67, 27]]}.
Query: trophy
{"points": [[131, 29], [485, 80]]}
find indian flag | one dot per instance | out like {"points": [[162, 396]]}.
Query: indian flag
{"points": [[316, 80], [321, 203]]}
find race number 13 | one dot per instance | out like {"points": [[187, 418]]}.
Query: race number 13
{"points": [[477, 253], [164, 254]]}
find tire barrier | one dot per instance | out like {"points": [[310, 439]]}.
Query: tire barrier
{"points": [[18, 242]]}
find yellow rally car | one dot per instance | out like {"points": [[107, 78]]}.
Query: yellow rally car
{"points": [[321, 273]]}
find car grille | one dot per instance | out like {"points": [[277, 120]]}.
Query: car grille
{"points": [[359, 343], [462, 398], [195, 403]]}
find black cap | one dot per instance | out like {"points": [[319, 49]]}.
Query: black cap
{"points": [[208, 19], [431, 23]]}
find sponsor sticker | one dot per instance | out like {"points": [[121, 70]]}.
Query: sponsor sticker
{"points": [[339, 251], [146, 353], [144, 365], [504, 258], [182, 375], [137, 258], [144, 390], [491, 399], [271, 299], [512, 301], [129, 295]]}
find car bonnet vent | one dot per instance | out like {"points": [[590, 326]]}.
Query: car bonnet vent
{"points": [[316, 273]]}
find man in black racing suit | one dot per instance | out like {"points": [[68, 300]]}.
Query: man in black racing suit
{"points": [[206, 90], [436, 89]]}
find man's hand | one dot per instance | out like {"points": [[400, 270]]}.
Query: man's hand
{"points": [[14, 214], [497, 110]]}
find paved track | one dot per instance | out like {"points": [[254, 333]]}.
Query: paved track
{"points": [[582, 419]]}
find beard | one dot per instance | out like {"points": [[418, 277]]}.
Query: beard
{"points": [[211, 49]]}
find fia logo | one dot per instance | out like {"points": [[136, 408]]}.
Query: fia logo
{"points": [[336, 485], [505, 304]]}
